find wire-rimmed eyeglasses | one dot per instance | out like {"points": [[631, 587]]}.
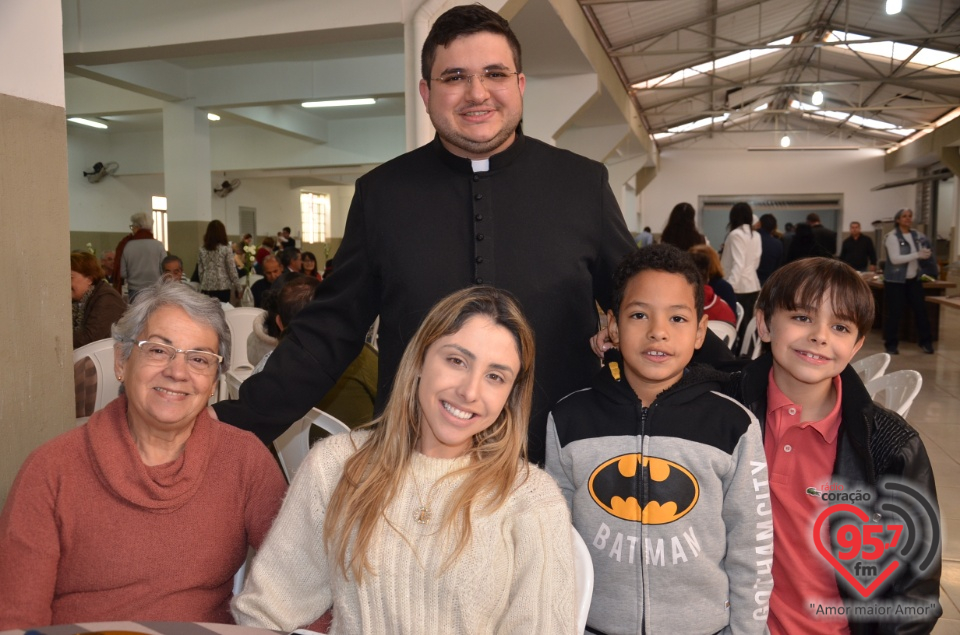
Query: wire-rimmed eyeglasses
{"points": [[492, 78], [199, 362]]}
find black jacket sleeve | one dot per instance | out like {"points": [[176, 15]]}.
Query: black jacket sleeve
{"points": [[324, 338]]}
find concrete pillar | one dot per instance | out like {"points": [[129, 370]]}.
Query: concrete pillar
{"points": [[36, 344], [187, 183]]}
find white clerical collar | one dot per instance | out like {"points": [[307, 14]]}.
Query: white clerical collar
{"points": [[481, 165]]}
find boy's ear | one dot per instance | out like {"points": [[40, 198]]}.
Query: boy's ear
{"points": [[612, 329], [762, 327], [701, 331]]}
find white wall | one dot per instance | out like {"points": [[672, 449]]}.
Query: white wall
{"points": [[686, 174], [32, 51], [107, 205]]}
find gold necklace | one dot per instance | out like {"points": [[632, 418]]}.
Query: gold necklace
{"points": [[422, 513]]}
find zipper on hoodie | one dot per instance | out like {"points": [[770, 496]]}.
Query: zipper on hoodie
{"points": [[645, 496]]}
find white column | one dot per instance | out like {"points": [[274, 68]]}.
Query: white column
{"points": [[186, 162]]}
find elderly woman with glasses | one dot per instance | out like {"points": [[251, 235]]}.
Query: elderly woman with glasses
{"points": [[146, 512]]}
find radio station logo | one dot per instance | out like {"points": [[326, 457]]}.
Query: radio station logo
{"points": [[871, 541]]}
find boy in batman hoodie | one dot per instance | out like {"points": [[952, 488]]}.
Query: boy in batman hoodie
{"points": [[665, 476]]}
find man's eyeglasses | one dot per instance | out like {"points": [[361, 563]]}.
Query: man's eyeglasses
{"points": [[493, 79], [199, 362]]}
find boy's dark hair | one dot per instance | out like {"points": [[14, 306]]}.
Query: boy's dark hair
{"points": [[295, 294], [768, 223], [804, 283], [665, 258], [465, 20]]}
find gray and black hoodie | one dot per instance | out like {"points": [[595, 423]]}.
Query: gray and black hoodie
{"points": [[673, 502]]}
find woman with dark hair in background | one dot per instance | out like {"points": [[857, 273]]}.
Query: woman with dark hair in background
{"points": [[715, 276], [681, 228], [216, 264], [741, 257], [96, 304], [309, 267]]}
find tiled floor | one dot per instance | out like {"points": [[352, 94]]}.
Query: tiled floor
{"points": [[936, 415]]}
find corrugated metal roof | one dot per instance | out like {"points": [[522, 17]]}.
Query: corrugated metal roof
{"points": [[647, 40]]}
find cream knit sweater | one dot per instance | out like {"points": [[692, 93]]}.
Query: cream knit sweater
{"points": [[515, 576]]}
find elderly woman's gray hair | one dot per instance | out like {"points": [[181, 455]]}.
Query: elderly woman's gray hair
{"points": [[900, 213], [142, 220], [201, 308]]}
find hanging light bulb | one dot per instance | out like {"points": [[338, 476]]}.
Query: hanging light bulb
{"points": [[817, 97], [894, 6], [785, 141]]}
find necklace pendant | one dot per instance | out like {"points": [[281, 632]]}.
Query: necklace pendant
{"points": [[422, 515]]}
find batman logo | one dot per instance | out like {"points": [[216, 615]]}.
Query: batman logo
{"points": [[672, 491]]}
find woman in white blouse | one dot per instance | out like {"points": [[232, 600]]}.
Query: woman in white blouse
{"points": [[740, 259], [902, 284]]}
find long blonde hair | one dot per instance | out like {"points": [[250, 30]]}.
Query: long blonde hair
{"points": [[373, 475]]}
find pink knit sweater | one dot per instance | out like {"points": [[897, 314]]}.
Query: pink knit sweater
{"points": [[90, 533]]}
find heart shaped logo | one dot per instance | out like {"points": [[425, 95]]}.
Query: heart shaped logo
{"points": [[851, 529]]}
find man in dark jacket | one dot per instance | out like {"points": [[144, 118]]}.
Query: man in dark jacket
{"points": [[481, 204], [826, 238], [857, 250]]}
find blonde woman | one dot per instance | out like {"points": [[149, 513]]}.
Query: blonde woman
{"points": [[430, 519]]}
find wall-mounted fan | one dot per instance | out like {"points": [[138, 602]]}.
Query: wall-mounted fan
{"points": [[226, 187], [101, 170]]}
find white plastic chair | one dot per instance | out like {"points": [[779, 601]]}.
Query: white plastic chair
{"points": [[739, 311], [751, 340], [233, 378], [293, 445], [872, 366], [724, 330], [896, 391], [583, 580], [101, 354], [240, 321]]}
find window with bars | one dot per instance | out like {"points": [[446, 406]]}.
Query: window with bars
{"points": [[159, 207], [314, 217]]}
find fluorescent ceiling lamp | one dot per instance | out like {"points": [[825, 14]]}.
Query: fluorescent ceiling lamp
{"points": [[88, 122], [213, 117], [715, 65], [158, 203], [817, 97], [762, 106], [894, 6], [333, 103]]}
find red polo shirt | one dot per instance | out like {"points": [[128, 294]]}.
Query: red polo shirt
{"points": [[800, 456]]}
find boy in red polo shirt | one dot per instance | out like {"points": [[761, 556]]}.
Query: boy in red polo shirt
{"points": [[820, 426]]}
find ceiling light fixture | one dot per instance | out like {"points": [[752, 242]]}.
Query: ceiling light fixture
{"points": [[333, 103], [213, 117], [88, 122], [785, 141], [817, 97], [894, 6]]}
